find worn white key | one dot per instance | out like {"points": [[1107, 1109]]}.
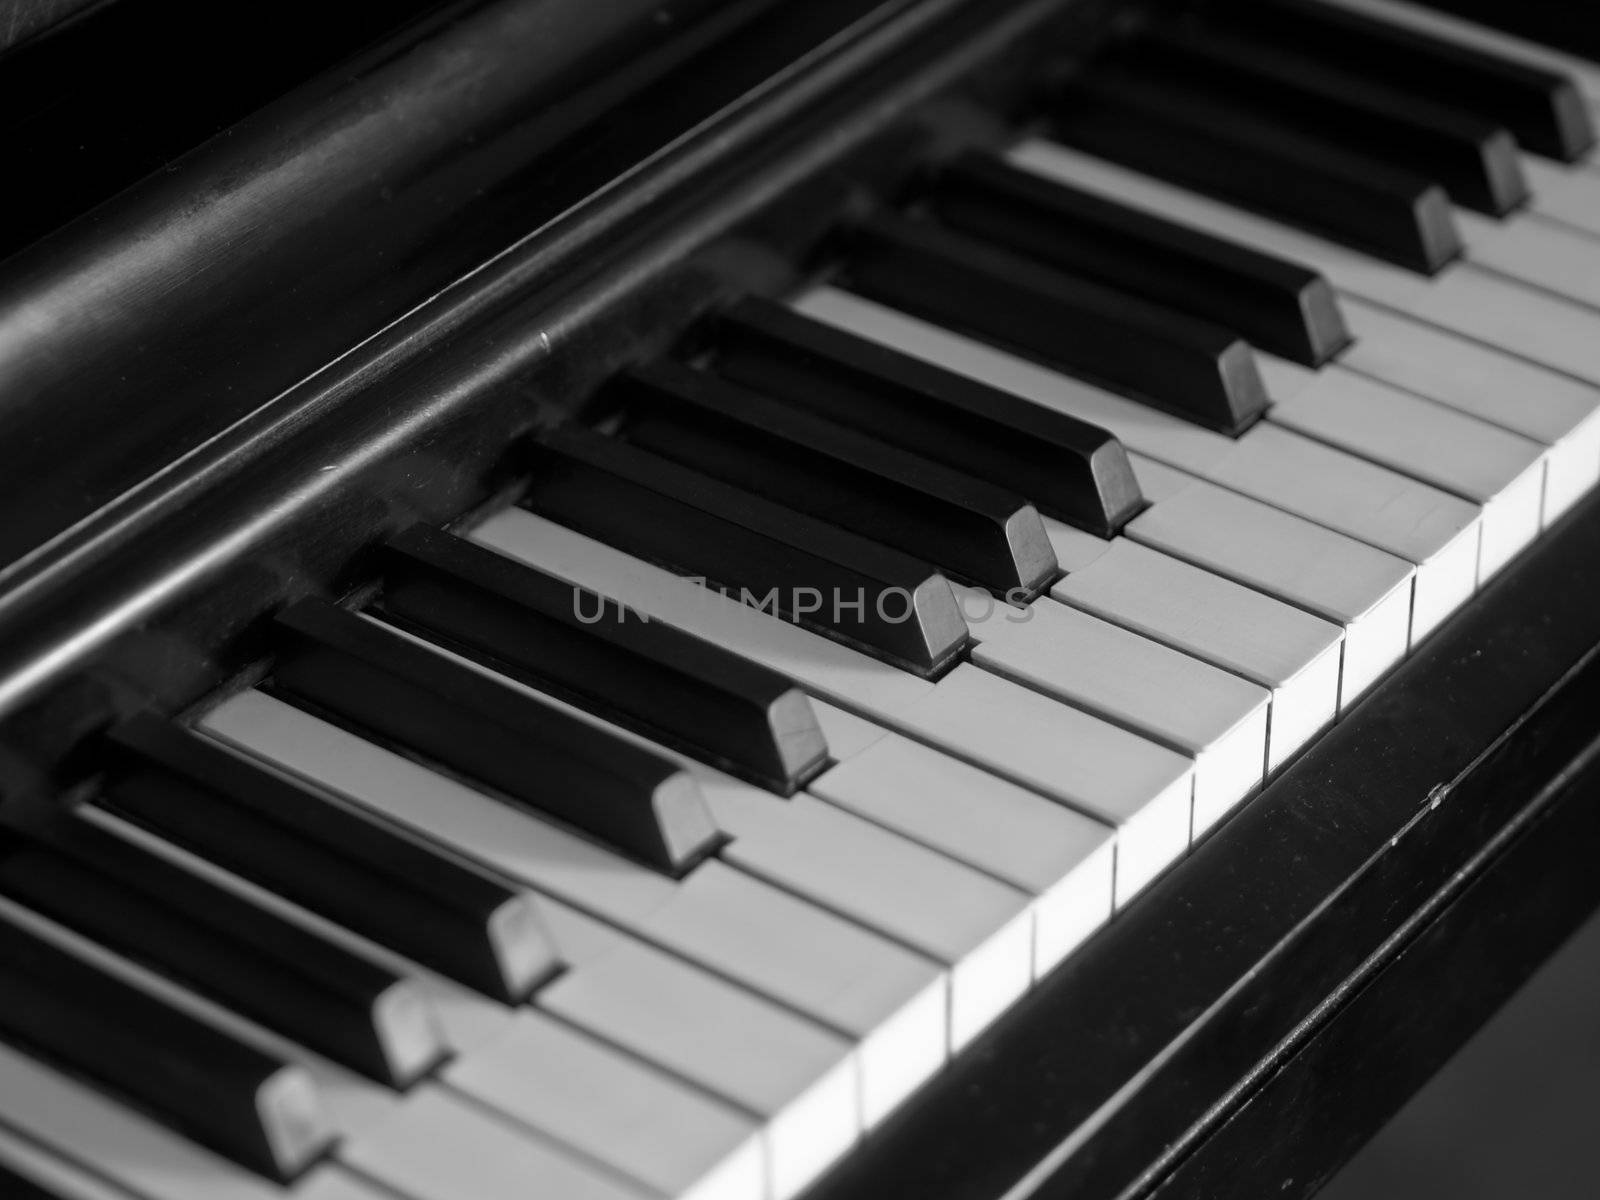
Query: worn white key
{"points": [[801, 1080], [1472, 301], [1143, 789], [1469, 33], [1563, 193], [53, 1174], [1555, 410], [976, 926], [1497, 470], [845, 676], [82, 1124], [438, 1147], [1537, 251], [1290, 652], [1202, 711], [1430, 528], [1057, 855], [888, 998], [615, 1110], [1356, 586]]}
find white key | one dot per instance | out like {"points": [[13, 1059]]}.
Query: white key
{"points": [[800, 1079], [615, 1110], [1538, 251], [1497, 470], [1157, 481], [1291, 653], [54, 1175], [1555, 410], [1563, 193], [977, 927], [1435, 531], [82, 1124], [1143, 789], [1062, 858], [847, 734], [1468, 33], [886, 997], [850, 679], [1464, 298], [438, 1147], [1283, 378], [1211, 715], [1362, 589]]}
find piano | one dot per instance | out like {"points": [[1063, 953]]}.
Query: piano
{"points": [[752, 601]]}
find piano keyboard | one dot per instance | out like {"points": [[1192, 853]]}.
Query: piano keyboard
{"points": [[664, 831]]}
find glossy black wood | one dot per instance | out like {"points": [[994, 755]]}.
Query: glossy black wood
{"points": [[1544, 109], [144, 605], [1280, 306], [669, 685], [1119, 1067]]}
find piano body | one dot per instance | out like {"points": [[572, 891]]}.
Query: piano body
{"points": [[869, 598]]}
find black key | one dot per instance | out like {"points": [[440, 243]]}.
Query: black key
{"points": [[1473, 159], [1543, 109], [645, 675], [328, 858], [206, 1084], [970, 529], [1239, 155], [1277, 305], [1184, 365], [1068, 469], [386, 686], [804, 570], [213, 941], [1571, 26]]}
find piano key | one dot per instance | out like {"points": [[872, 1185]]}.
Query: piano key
{"points": [[1570, 195], [1143, 789], [800, 1079], [638, 1122], [1542, 108], [31, 1172], [1291, 653], [969, 528], [978, 928], [1549, 408], [1465, 300], [648, 676], [1435, 531], [889, 1000], [1058, 856], [252, 1106], [1069, 470], [1543, 253], [848, 734], [1458, 31], [833, 581], [1497, 470], [1134, 347], [1157, 480], [1361, 589], [1475, 160], [266, 968], [380, 682], [846, 676], [81, 1124], [1277, 305], [1234, 154], [1208, 714], [441, 1147], [329, 858]]}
